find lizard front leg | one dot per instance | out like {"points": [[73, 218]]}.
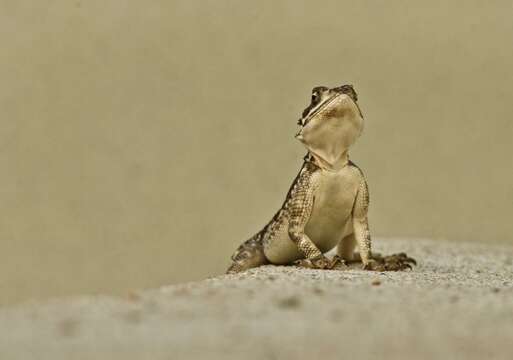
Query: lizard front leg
{"points": [[300, 209], [361, 223], [394, 262], [314, 259]]}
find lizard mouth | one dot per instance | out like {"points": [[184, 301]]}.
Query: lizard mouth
{"points": [[319, 109]]}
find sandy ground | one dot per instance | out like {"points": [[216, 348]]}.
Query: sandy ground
{"points": [[456, 304]]}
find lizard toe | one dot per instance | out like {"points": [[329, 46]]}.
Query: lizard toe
{"points": [[398, 262]]}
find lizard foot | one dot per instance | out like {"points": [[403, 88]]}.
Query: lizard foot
{"points": [[395, 262], [320, 262]]}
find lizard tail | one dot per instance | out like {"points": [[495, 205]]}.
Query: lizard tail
{"points": [[248, 255]]}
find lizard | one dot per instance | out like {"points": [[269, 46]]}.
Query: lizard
{"points": [[327, 203]]}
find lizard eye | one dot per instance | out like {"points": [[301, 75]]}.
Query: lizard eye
{"points": [[315, 96]]}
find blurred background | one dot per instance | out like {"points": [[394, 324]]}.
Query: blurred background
{"points": [[142, 142]]}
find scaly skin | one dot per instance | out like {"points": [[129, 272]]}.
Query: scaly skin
{"points": [[328, 202]]}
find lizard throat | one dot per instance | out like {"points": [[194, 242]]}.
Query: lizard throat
{"points": [[340, 163]]}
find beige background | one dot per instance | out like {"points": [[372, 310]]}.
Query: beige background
{"points": [[142, 141]]}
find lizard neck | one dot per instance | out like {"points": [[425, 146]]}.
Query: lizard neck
{"points": [[340, 163]]}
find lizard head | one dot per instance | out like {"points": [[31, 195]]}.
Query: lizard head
{"points": [[331, 123]]}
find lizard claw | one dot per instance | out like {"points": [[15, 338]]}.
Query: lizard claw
{"points": [[374, 265], [337, 261], [320, 262], [407, 259], [395, 262]]}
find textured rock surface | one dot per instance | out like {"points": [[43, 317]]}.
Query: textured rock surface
{"points": [[457, 304]]}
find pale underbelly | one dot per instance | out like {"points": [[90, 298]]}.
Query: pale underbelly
{"points": [[329, 222], [324, 232]]}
